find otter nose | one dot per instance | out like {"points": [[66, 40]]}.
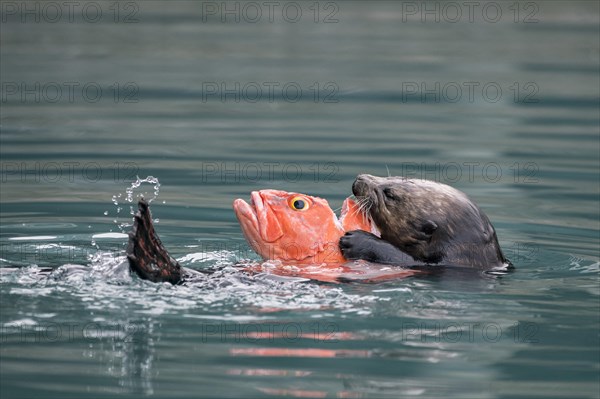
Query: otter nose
{"points": [[360, 185], [355, 185]]}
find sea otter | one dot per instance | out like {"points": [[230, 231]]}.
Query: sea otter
{"points": [[422, 223]]}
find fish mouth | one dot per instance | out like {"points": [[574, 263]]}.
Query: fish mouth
{"points": [[256, 219], [246, 215]]}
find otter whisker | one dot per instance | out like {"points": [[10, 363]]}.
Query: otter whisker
{"points": [[366, 204], [364, 207], [360, 201]]}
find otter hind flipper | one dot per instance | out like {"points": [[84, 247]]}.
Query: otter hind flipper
{"points": [[145, 252]]}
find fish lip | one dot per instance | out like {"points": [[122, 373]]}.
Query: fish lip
{"points": [[246, 214], [253, 216], [259, 210], [257, 204], [262, 215]]}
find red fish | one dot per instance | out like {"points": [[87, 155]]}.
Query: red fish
{"points": [[297, 228]]}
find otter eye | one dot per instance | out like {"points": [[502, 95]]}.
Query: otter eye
{"points": [[299, 204], [389, 192], [429, 227]]}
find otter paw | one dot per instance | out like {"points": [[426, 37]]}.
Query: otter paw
{"points": [[357, 244]]}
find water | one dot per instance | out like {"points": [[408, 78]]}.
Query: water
{"points": [[528, 156]]}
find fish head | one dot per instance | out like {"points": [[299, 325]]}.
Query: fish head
{"points": [[290, 226]]}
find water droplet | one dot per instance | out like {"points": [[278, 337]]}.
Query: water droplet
{"points": [[105, 213], [132, 196]]}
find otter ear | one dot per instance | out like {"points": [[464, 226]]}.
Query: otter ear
{"points": [[429, 227]]}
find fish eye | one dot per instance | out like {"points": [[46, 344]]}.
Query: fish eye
{"points": [[299, 203]]}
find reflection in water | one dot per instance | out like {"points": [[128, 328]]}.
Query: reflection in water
{"points": [[306, 352], [422, 345], [296, 393], [314, 335], [137, 372], [269, 372], [129, 356]]}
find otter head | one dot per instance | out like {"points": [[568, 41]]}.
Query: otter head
{"points": [[430, 221]]}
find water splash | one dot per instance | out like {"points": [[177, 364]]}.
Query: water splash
{"points": [[131, 196], [138, 183]]}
